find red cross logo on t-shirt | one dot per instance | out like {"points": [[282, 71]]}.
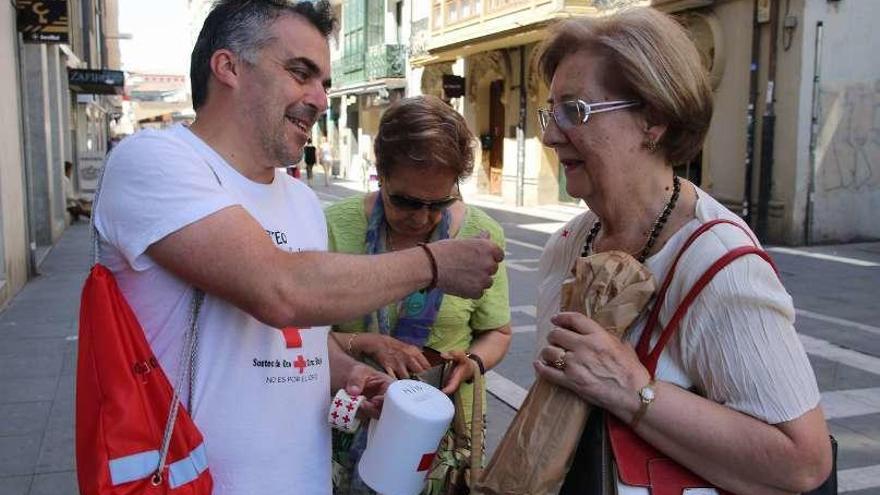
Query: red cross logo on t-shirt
{"points": [[300, 364]]}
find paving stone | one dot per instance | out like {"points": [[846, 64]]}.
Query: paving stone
{"points": [[500, 416], [869, 491], [18, 454], [31, 366], [27, 389], [855, 449], [58, 451], [832, 375], [15, 485], [31, 347], [868, 425], [60, 483], [23, 417]]}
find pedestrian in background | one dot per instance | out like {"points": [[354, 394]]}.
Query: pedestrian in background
{"points": [[76, 205], [209, 206], [310, 158], [629, 99]]}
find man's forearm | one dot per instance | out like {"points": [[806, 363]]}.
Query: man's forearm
{"points": [[322, 291]]}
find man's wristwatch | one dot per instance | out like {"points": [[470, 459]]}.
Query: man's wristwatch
{"points": [[647, 394]]}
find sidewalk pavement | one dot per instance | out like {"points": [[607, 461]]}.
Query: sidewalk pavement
{"points": [[38, 332], [37, 370]]}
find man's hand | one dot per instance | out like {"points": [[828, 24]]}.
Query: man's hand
{"points": [[372, 384], [465, 266]]}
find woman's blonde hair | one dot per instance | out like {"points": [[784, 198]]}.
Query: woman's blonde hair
{"points": [[424, 131], [648, 57]]}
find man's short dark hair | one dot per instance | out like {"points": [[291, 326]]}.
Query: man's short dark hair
{"points": [[242, 26]]}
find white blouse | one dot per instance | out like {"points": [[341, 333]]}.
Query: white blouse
{"points": [[736, 345]]}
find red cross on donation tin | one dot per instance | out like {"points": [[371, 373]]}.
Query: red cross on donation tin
{"points": [[426, 461]]}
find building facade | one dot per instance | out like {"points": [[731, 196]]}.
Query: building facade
{"points": [[49, 120], [793, 145]]}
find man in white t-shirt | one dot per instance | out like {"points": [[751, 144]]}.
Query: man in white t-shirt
{"points": [[210, 206]]}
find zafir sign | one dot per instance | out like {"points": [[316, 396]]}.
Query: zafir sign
{"points": [[96, 82], [43, 21]]}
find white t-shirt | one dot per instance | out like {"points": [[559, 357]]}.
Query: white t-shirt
{"points": [[736, 345], [260, 405]]}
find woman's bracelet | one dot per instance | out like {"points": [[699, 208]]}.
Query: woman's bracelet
{"points": [[348, 348], [433, 266], [479, 362]]}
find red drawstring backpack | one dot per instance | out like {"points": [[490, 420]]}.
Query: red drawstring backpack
{"points": [[132, 435]]}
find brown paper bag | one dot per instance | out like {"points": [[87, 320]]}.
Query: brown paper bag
{"points": [[536, 452]]}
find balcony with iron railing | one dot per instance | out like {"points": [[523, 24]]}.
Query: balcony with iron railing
{"points": [[348, 70], [379, 62], [458, 21], [384, 61]]}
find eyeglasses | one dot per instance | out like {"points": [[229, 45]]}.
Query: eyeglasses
{"points": [[570, 114], [413, 204]]}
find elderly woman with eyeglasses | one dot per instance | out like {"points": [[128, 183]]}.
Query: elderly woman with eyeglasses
{"points": [[423, 149], [733, 397]]}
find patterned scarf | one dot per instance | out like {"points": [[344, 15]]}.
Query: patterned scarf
{"points": [[417, 312]]}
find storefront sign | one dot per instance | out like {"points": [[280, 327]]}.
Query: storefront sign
{"points": [[43, 21], [453, 86], [96, 82]]}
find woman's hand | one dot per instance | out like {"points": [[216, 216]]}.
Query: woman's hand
{"points": [[398, 359], [597, 366], [462, 370]]}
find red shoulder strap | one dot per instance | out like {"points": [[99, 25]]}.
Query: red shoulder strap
{"points": [[650, 357]]}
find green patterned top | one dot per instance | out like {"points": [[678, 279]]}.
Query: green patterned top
{"points": [[458, 319]]}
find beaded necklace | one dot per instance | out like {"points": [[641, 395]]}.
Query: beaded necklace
{"points": [[659, 223]]}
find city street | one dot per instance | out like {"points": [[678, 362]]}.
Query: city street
{"points": [[835, 291]]}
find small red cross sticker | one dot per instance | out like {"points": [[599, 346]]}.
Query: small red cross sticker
{"points": [[425, 463], [346, 418], [338, 403], [565, 232], [335, 415], [300, 364], [350, 406]]}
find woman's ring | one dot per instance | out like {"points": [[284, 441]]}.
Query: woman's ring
{"points": [[559, 363]]}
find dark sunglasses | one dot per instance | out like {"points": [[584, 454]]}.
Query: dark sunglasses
{"points": [[408, 203]]}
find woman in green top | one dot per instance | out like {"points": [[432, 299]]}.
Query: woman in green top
{"points": [[423, 149]]}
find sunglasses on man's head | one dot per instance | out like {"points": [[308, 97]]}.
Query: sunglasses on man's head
{"points": [[408, 203]]}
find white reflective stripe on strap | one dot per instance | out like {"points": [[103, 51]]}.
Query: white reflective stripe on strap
{"points": [[133, 467], [188, 468], [143, 464]]}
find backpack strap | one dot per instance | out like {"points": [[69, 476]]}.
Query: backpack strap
{"points": [[651, 356]]}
